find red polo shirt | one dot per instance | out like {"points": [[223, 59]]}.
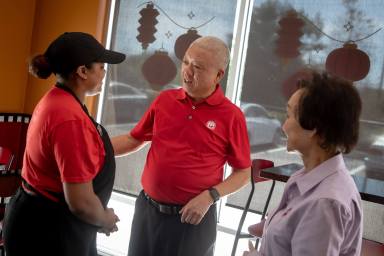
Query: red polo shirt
{"points": [[63, 145], [190, 144]]}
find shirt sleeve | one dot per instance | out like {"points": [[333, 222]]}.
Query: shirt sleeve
{"points": [[321, 229], [78, 151], [239, 150], [143, 131]]}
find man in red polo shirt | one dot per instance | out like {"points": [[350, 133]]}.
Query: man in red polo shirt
{"points": [[194, 131]]}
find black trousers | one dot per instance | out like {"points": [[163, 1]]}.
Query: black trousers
{"points": [[157, 234], [34, 225]]}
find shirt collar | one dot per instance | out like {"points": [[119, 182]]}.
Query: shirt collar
{"points": [[307, 180], [214, 99]]}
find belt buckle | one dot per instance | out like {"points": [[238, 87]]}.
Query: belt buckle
{"points": [[166, 209]]}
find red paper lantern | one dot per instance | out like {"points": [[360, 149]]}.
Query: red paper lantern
{"points": [[184, 41], [288, 42], [147, 25], [159, 69], [289, 85], [348, 62]]}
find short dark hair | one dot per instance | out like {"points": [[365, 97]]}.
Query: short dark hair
{"points": [[332, 106]]}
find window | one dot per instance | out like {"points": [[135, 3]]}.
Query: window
{"points": [[278, 54], [274, 56]]}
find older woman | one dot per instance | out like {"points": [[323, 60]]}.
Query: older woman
{"points": [[320, 210]]}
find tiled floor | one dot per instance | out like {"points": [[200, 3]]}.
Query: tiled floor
{"points": [[117, 243]]}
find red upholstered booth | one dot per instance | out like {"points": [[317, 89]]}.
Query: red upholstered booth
{"points": [[13, 131]]}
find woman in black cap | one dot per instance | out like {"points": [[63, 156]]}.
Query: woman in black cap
{"points": [[69, 167]]}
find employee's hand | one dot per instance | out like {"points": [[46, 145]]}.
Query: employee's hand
{"points": [[110, 221], [194, 211], [108, 232]]}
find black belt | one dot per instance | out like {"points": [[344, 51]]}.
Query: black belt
{"points": [[163, 208], [30, 190]]}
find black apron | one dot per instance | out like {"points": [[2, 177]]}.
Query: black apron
{"points": [[35, 225], [103, 182], [102, 186]]}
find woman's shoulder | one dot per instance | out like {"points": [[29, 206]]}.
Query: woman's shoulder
{"points": [[59, 106], [340, 188]]}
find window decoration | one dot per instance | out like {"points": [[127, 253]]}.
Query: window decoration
{"points": [[182, 42], [288, 42], [348, 62], [159, 69], [147, 28]]}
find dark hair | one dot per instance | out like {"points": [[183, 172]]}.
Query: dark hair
{"points": [[39, 67], [332, 106]]}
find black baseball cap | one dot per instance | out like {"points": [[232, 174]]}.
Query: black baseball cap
{"points": [[73, 49]]}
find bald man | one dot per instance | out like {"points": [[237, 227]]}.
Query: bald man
{"points": [[194, 131]]}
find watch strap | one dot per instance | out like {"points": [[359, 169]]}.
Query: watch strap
{"points": [[214, 194]]}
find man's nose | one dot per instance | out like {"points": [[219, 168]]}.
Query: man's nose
{"points": [[188, 69]]}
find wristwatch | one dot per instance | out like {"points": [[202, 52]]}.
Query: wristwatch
{"points": [[214, 194]]}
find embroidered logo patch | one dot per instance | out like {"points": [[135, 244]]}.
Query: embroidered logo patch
{"points": [[211, 125]]}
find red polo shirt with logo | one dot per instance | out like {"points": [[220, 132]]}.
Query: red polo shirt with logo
{"points": [[190, 144]]}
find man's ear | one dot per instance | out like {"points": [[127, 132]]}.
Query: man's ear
{"points": [[81, 71], [219, 76]]}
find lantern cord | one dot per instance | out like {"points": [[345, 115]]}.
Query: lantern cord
{"points": [[173, 21], [332, 38]]}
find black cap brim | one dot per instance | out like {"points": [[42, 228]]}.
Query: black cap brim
{"points": [[112, 57]]}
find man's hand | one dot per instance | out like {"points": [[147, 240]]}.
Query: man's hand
{"points": [[252, 250], [194, 211]]}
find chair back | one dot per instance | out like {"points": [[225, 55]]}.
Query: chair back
{"points": [[6, 158], [261, 191], [257, 166], [9, 179], [9, 182], [371, 248], [13, 131]]}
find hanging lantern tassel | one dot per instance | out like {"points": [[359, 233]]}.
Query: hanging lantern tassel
{"points": [[159, 69], [182, 42], [147, 25], [288, 42], [348, 62]]}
